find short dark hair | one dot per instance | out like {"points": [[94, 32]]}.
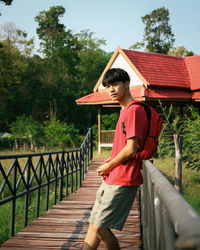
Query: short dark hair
{"points": [[115, 75]]}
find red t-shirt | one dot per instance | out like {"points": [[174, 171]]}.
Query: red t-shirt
{"points": [[136, 123]]}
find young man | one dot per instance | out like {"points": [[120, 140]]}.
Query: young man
{"points": [[121, 173]]}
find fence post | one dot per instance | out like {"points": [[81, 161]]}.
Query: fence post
{"points": [[178, 141]]}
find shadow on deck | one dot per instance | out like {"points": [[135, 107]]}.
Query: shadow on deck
{"points": [[64, 225]]}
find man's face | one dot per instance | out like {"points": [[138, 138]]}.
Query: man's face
{"points": [[117, 90]]}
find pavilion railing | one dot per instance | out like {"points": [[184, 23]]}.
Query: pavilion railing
{"points": [[167, 219], [52, 175], [107, 136]]}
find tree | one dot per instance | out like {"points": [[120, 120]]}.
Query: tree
{"points": [[60, 51], [158, 36], [174, 124], [137, 46], [93, 60], [7, 2], [60, 134], [12, 71], [180, 51], [192, 140], [26, 128]]}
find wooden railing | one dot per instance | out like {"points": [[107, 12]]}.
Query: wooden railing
{"points": [[167, 219], [106, 139], [59, 173]]}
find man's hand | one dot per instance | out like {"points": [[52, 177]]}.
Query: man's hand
{"points": [[125, 154], [104, 169]]}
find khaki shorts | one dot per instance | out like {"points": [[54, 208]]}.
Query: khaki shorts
{"points": [[112, 205]]}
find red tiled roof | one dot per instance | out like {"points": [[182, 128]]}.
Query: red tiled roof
{"points": [[168, 94], [140, 92], [159, 69], [193, 67], [103, 97], [95, 97]]}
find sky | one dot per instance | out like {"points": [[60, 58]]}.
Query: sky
{"points": [[117, 21]]}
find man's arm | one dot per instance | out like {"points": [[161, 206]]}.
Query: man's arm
{"points": [[124, 155]]}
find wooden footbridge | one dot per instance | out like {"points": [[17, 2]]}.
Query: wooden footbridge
{"points": [[64, 226], [159, 214]]}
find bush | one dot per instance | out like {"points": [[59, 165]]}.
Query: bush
{"points": [[191, 140], [57, 134]]}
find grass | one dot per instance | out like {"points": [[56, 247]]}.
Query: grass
{"points": [[105, 153], [190, 180]]}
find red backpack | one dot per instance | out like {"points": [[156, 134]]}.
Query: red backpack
{"points": [[154, 128]]}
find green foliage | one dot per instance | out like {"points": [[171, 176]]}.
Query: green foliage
{"points": [[137, 46], [52, 134], [60, 134], [172, 124], [191, 140], [108, 122], [180, 51], [158, 35], [26, 127], [166, 146], [69, 67], [190, 179], [189, 126], [91, 57], [172, 119], [7, 2]]}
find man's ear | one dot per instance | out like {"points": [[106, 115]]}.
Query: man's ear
{"points": [[127, 84]]}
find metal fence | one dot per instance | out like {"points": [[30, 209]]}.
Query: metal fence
{"points": [[168, 221], [52, 174]]}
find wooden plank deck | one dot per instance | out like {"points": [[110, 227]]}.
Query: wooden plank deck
{"points": [[64, 226]]}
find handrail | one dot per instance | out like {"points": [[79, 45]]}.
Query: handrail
{"points": [[168, 220], [62, 169]]}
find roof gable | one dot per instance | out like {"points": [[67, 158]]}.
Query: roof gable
{"points": [[159, 69], [120, 62], [193, 67], [117, 57]]}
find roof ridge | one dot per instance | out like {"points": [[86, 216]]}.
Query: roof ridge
{"points": [[153, 53]]}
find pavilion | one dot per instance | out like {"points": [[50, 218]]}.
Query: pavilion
{"points": [[154, 77]]}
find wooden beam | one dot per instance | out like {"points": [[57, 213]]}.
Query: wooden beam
{"points": [[99, 129]]}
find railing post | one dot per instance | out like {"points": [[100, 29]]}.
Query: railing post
{"points": [[178, 141], [39, 189], [12, 229], [61, 179], [80, 167], [91, 144], [28, 192], [48, 182]]}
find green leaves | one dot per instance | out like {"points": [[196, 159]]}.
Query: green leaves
{"points": [[59, 134], [50, 134], [191, 140], [27, 128], [158, 35], [189, 126]]}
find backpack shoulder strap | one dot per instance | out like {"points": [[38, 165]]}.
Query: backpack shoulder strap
{"points": [[148, 114]]}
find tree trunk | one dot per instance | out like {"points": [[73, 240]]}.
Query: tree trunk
{"points": [[178, 141], [52, 110]]}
